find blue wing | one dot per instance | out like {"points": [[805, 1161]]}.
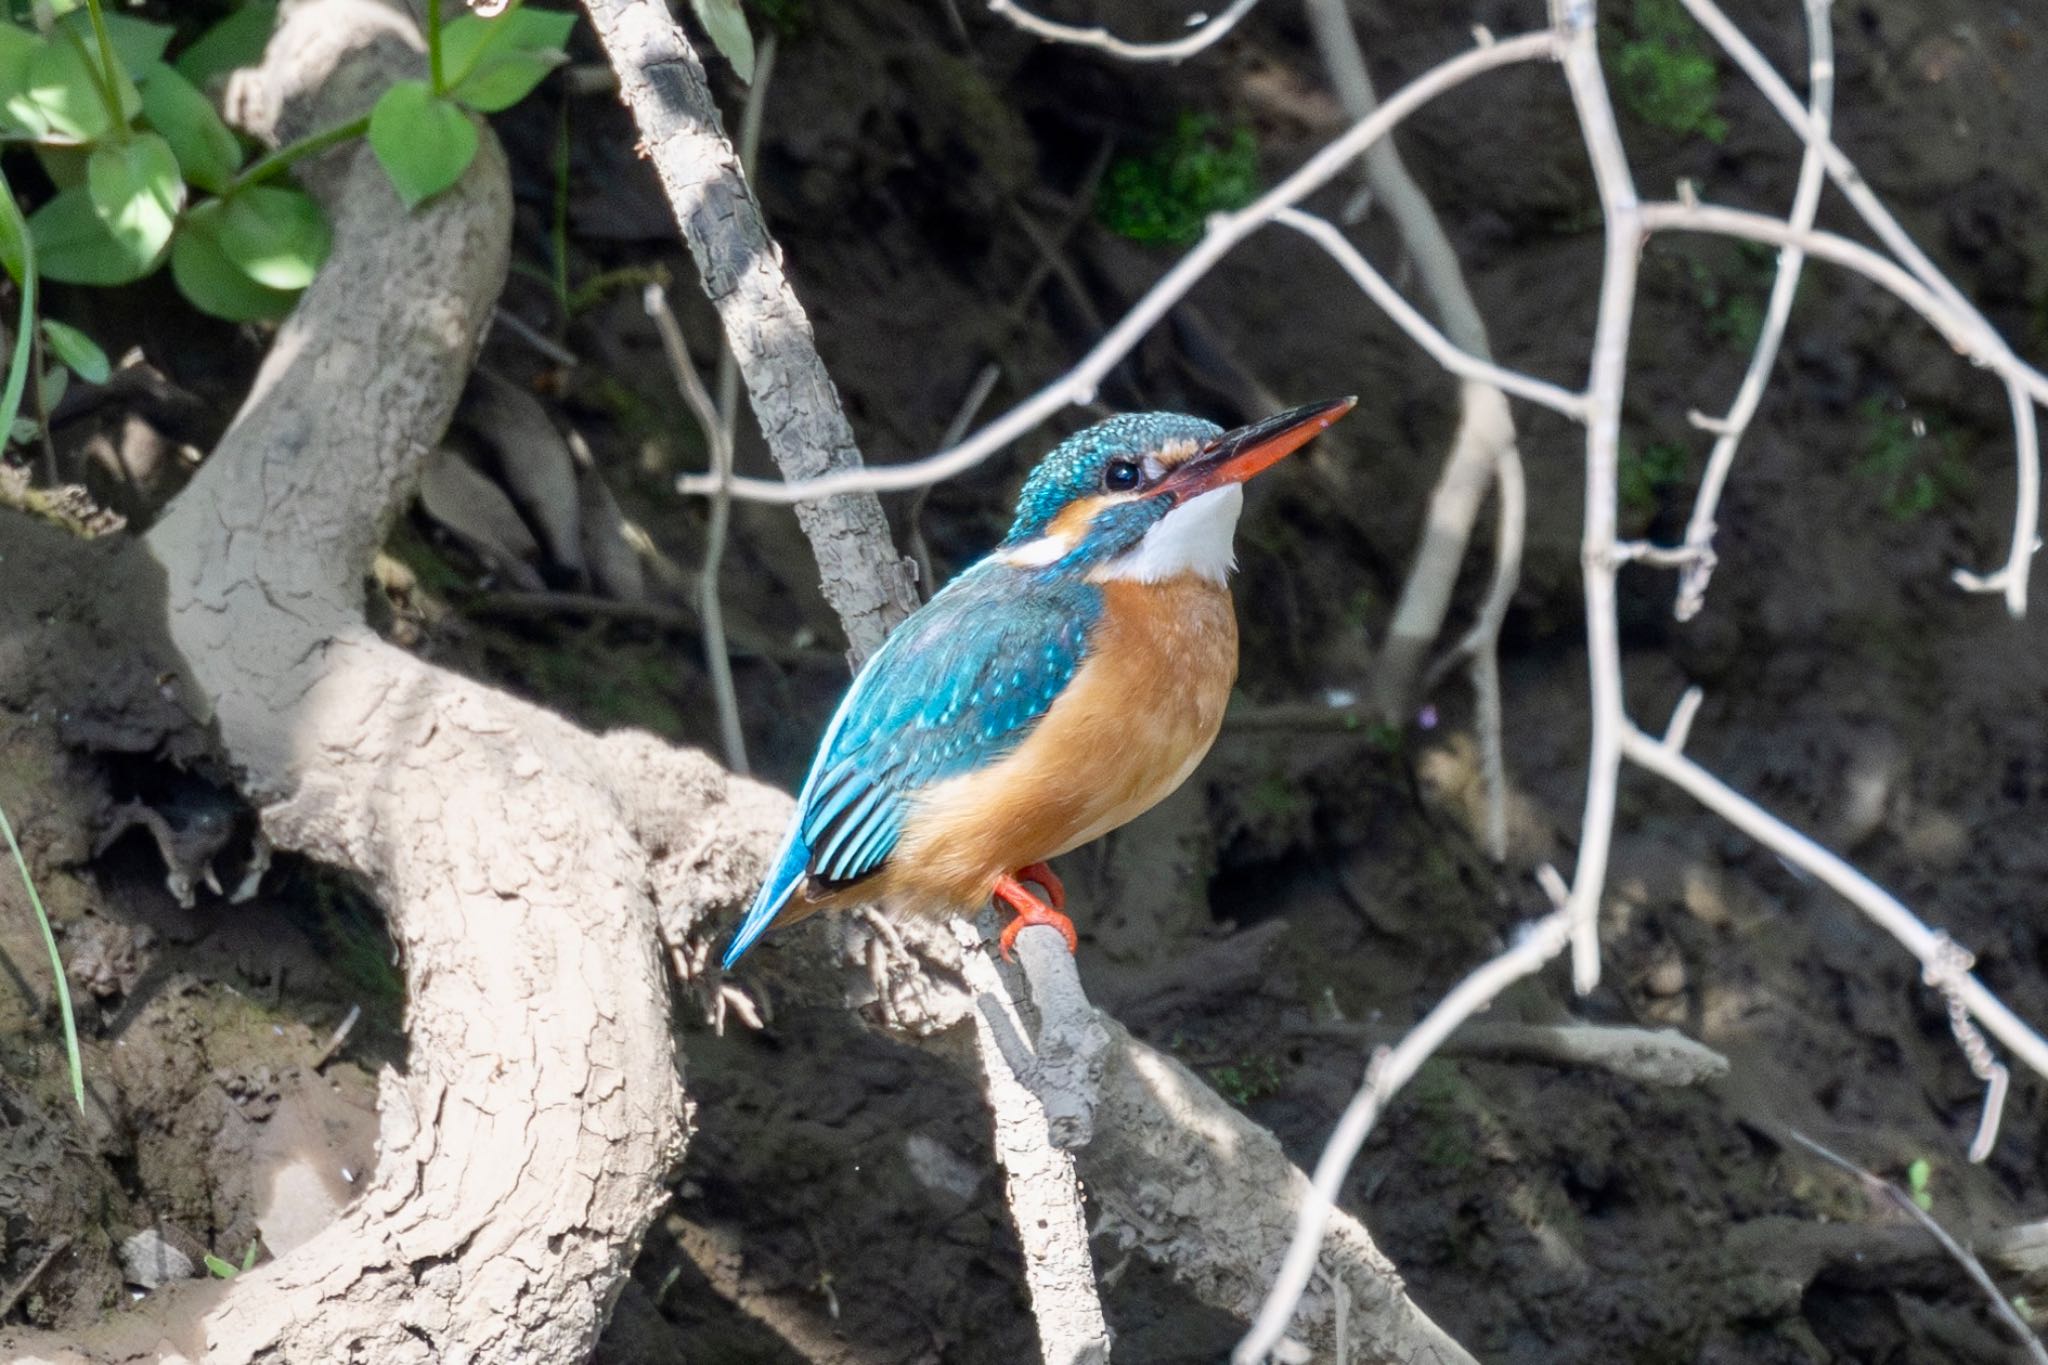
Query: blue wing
{"points": [[957, 687]]}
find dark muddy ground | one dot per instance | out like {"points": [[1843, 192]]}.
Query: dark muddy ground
{"points": [[838, 1202]]}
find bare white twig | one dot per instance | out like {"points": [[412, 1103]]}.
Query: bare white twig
{"points": [[2025, 385], [1206, 33], [1729, 430], [1225, 231], [2012, 578], [1403, 314], [1622, 214], [1388, 1072], [1866, 895], [718, 441], [1959, 1253]]}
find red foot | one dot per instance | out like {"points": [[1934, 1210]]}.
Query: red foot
{"points": [[1043, 874], [1029, 909]]}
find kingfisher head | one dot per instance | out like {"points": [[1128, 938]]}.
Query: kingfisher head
{"points": [[1150, 495]]}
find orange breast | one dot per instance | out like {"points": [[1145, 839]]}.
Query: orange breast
{"points": [[1137, 718]]}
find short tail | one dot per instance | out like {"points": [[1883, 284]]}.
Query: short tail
{"points": [[782, 883]]}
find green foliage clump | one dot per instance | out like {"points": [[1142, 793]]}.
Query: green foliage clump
{"points": [[1166, 195], [144, 173], [1913, 459], [1667, 75], [1644, 476], [787, 19], [1243, 1082]]}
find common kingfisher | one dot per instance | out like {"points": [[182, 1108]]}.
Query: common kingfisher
{"points": [[1055, 690]]}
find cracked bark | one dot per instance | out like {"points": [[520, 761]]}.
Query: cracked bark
{"points": [[794, 400], [522, 1152]]}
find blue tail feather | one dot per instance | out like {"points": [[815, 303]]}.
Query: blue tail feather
{"points": [[790, 866]]}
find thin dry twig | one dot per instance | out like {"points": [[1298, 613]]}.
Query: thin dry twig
{"points": [[1205, 35], [1959, 1253], [2011, 579], [718, 439], [1226, 230], [1389, 1070], [1730, 428], [1621, 212]]}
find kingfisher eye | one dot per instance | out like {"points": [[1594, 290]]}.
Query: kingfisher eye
{"points": [[1121, 476]]}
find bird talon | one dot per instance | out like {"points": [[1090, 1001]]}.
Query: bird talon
{"points": [[1043, 875], [1030, 910]]}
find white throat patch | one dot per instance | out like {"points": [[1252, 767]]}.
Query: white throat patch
{"points": [[1193, 538]]}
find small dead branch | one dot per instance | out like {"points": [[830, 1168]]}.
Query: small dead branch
{"points": [[1648, 1056], [718, 439], [1207, 32], [1730, 429], [2001, 1307], [1389, 1070], [1225, 231]]}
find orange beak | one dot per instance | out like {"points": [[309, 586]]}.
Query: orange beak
{"points": [[1237, 455]]}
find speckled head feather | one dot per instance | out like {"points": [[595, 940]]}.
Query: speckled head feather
{"points": [[1075, 467]]}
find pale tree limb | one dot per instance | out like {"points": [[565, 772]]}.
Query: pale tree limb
{"points": [[662, 81], [1207, 32], [1622, 230], [1225, 231], [1616, 739], [1483, 452], [522, 1150], [772, 347], [1038, 1176], [1730, 428]]}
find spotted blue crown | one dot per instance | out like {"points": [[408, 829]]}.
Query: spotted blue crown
{"points": [[1074, 468]]}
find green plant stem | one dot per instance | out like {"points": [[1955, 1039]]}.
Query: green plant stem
{"points": [[273, 164], [24, 337], [56, 966], [559, 233], [434, 72], [108, 72]]}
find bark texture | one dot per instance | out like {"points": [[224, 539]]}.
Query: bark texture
{"points": [[518, 858], [864, 579]]}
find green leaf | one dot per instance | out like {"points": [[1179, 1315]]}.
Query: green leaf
{"points": [[498, 61], [75, 247], [501, 82], [55, 380], [207, 276], [207, 152], [137, 43], [64, 164], [423, 142], [221, 1270], [727, 27], [13, 239], [235, 41], [77, 350], [249, 1256], [277, 237], [137, 192], [23, 431], [63, 91], [23, 117], [469, 41]]}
